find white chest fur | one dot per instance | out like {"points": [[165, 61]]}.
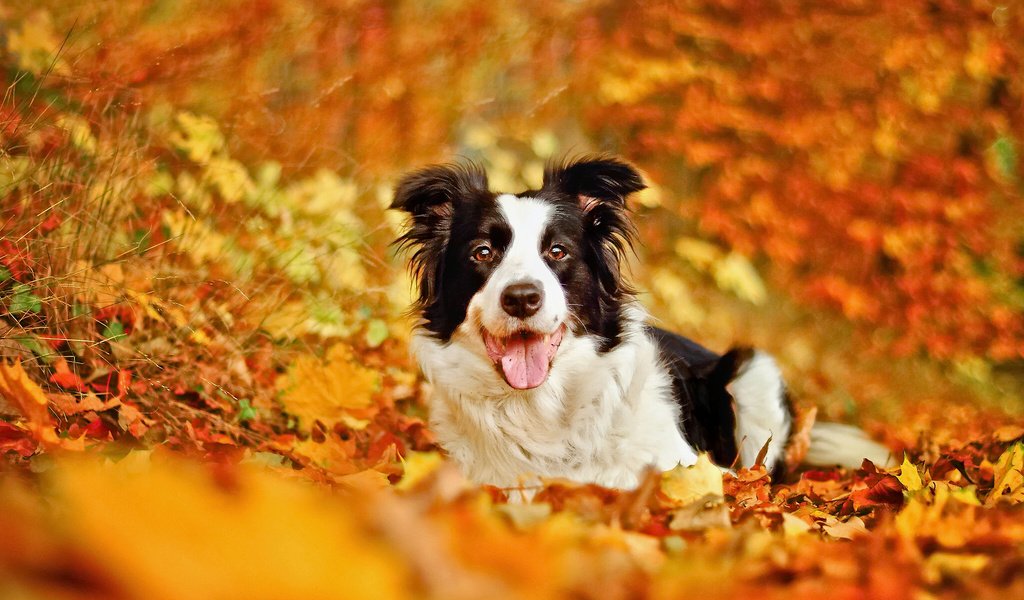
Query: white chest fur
{"points": [[598, 418]]}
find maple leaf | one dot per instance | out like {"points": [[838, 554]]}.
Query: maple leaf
{"points": [[30, 400], [332, 390]]}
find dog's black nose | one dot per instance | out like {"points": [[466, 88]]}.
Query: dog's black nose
{"points": [[522, 299]]}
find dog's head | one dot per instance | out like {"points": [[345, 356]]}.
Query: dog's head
{"points": [[521, 270]]}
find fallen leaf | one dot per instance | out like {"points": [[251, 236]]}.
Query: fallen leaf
{"points": [[30, 400], [1008, 433], [909, 476], [1009, 477], [327, 390], [418, 466], [683, 485], [794, 526], [701, 515], [15, 439], [845, 530], [69, 404]]}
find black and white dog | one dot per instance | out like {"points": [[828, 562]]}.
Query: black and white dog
{"points": [[542, 362]]}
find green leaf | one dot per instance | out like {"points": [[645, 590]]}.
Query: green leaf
{"points": [[4, 274], [114, 331], [1004, 157], [245, 410], [37, 347], [24, 300], [376, 333]]}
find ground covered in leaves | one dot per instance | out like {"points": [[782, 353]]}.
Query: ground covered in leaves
{"points": [[205, 387]]}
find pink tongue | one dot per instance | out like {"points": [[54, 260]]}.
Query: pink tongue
{"points": [[525, 362]]}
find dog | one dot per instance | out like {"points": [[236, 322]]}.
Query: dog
{"points": [[542, 361]]}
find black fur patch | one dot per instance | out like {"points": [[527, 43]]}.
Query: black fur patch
{"points": [[699, 377]]}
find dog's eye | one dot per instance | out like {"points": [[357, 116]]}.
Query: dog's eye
{"points": [[483, 254], [557, 252]]}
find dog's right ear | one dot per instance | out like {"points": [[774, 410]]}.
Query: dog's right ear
{"points": [[433, 191], [430, 196]]}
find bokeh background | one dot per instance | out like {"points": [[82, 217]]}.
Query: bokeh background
{"points": [[193, 223]]}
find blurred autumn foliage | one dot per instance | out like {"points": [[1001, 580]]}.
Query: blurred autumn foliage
{"points": [[205, 388], [869, 151]]}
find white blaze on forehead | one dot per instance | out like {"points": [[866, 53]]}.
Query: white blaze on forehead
{"points": [[522, 261], [528, 218]]}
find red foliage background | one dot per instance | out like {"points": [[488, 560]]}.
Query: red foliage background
{"points": [[866, 151]]}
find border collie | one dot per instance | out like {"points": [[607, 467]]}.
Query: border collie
{"points": [[542, 362]]}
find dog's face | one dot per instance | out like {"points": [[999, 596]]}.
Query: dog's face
{"points": [[521, 271]]}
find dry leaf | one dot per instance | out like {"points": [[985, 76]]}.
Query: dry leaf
{"points": [[683, 485], [30, 400], [846, 530], [328, 390], [909, 476]]}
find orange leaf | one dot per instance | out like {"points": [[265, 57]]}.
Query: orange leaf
{"points": [[69, 381], [29, 399], [72, 405]]}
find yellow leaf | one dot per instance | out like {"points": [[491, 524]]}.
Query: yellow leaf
{"points": [[736, 274], [965, 495], [673, 292], [794, 526], [36, 45], [330, 455], [167, 531], [418, 466], [544, 144], [368, 480], [909, 476], [684, 485], [198, 136], [1009, 477], [79, 132], [229, 178], [699, 253], [650, 196], [328, 389]]}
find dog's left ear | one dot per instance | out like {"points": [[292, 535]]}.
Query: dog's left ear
{"points": [[601, 184], [593, 180]]}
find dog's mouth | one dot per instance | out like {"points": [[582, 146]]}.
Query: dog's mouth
{"points": [[524, 358]]}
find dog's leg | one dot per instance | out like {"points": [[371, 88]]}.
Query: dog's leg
{"points": [[763, 414]]}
